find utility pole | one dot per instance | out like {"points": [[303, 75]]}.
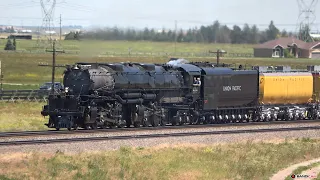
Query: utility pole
{"points": [[218, 52], [175, 37], [54, 51], [1, 77], [60, 27]]}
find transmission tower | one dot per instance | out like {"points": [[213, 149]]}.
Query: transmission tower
{"points": [[47, 28], [306, 18]]}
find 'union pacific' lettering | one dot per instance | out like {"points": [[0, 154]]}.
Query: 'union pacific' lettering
{"points": [[231, 88]]}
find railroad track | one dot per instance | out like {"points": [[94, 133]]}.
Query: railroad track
{"points": [[83, 131], [146, 136]]}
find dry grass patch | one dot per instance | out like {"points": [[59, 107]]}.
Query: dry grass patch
{"points": [[225, 161]]}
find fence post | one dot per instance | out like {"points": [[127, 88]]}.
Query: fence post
{"points": [[29, 95]]}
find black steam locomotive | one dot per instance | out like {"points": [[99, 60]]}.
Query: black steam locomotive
{"points": [[124, 94]]}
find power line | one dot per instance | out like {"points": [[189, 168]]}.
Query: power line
{"points": [[38, 18], [187, 21], [75, 8], [24, 3], [73, 5]]}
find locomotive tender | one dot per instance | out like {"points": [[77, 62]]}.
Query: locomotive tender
{"points": [[124, 94]]}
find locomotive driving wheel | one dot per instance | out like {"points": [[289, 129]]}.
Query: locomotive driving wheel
{"points": [[136, 121], [87, 127], [136, 124], [145, 122], [155, 120]]}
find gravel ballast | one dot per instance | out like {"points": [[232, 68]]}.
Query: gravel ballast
{"points": [[78, 147], [158, 131]]}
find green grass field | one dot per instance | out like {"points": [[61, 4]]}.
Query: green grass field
{"points": [[22, 116], [136, 46], [243, 160], [23, 67]]}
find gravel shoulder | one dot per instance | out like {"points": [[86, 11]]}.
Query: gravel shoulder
{"points": [[158, 131], [80, 147], [286, 172]]}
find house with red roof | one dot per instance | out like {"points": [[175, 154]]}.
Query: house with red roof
{"points": [[299, 49]]}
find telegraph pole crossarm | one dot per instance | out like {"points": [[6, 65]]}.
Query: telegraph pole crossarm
{"points": [[54, 51], [218, 52]]}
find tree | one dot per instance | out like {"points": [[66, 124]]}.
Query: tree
{"points": [[272, 31], [236, 35], [180, 37], [284, 33], [263, 37], [254, 39], [246, 34], [9, 46], [14, 44], [304, 33], [189, 36], [223, 35], [214, 33]]}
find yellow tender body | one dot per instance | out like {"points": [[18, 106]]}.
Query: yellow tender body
{"points": [[285, 88]]}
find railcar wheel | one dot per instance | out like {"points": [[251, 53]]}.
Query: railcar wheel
{"points": [[58, 129], [145, 122]]}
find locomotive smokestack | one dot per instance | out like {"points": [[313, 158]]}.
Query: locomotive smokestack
{"points": [[177, 62]]}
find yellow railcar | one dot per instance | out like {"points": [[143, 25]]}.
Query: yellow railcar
{"points": [[285, 88]]}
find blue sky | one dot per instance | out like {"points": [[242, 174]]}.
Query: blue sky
{"points": [[156, 14]]}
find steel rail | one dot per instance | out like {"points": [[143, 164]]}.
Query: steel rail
{"points": [[108, 138], [83, 131]]}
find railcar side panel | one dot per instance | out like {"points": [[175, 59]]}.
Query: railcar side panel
{"points": [[285, 88], [228, 88]]}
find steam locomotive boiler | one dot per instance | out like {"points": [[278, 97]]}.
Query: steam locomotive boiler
{"points": [[116, 95]]}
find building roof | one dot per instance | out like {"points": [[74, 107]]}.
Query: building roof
{"points": [[311, 45], [283, 42]]}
